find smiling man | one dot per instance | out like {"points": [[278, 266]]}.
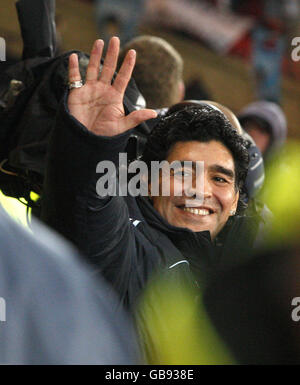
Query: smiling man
{"points": [[192, 135], [219, 195], [128, 238]]}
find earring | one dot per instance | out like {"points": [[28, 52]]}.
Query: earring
{"points": [[232, 212]]}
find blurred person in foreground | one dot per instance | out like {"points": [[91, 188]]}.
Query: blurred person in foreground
{"points": [[128, 242], [52, 311]]}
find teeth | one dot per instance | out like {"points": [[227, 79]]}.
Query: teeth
{"points": [[196, 211]]}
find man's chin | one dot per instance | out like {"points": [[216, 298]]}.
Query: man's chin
{"points": [[196, 228], [193, 222]]}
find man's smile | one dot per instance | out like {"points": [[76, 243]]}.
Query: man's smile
{"points": [[197, 210]]}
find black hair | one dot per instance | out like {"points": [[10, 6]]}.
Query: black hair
{"points": [[203, 124]]}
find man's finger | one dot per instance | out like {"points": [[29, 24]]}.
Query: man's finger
{"points": [[110, 62], [94, 63], [125, 72], [137, 117], [74, 74]]}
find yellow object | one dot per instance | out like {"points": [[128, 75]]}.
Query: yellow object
{"points": [[282, 195], [175, 329], [15, 209]]}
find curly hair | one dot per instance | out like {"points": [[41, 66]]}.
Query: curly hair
{"points": [[203, 124]]}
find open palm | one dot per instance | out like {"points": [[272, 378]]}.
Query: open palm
{"points": [[98, 105]]}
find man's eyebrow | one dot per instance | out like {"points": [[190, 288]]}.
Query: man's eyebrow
{"points": [[214, 168], [222, 170], [188, 163]]}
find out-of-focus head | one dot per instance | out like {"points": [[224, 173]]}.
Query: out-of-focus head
{"points": [[199, 134], [158, 70], [266, 123]]}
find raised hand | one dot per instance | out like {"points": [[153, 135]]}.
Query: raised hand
{"points": [[98, 105]]}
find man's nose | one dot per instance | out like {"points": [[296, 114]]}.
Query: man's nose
{"points": [[202, 184], [207, 188], [201, 187]]}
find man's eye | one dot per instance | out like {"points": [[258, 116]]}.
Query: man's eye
{"points": [[220, 179], [182, 174]]}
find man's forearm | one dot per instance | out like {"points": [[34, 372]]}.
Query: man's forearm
{"points": [[71, 178]]}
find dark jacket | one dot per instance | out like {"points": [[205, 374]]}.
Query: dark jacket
{"points": [[127, 240]]}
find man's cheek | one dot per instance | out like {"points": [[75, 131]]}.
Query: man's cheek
{"points": [[225, 196], [176, 188]]}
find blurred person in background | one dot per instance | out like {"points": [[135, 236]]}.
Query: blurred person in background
{"points": [[196, 90], [266, 123], [158, 70], [158, 74], [118, 17], [275, 23]]}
